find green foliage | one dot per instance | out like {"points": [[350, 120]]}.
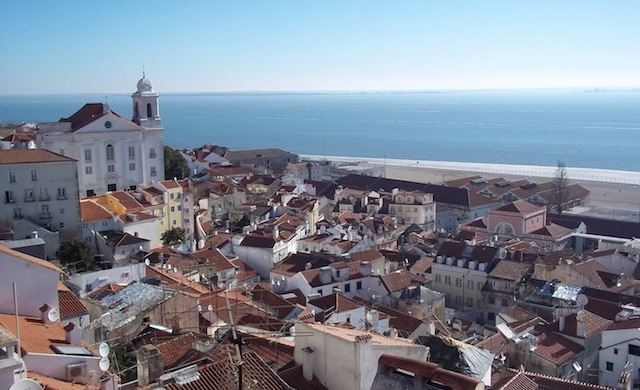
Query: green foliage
{"points": [[174, 164], [173, 236], [76, 253]]}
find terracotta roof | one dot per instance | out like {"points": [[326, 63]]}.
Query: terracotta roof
{"points": [[257, 241], [552, 230], [104, 291], [139, 216], [352, 335], [546, 382], [173, 350], [19, 137], [126, 200], [29, 259], [510, 270], [89, 113], [368, 255], [556, 348], [70, 305], [598, 226], [213, 256], [295, 379], [245, 273], [521, 207], [50, 383], [176, 281], [593, 324], [275, 351], [90, 211], [35, 336], [275, 302], [398, 280], [25, 156], [336, 302]]}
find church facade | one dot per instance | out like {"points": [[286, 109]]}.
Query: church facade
{"points": [[113, 153]]}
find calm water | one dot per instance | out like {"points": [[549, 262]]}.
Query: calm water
{"points": [[585, 129]]}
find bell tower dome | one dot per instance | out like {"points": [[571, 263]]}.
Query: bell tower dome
{"points": [[146, 111]]}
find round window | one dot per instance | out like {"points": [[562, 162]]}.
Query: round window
{"points": [[107, 124]]}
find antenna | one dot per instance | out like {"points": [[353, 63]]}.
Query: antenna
{"points": [[104, 349], [26, 384], [104, 363], [53, 315]]}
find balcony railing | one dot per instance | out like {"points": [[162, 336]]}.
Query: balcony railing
{"points": [[46, 215], [45, 197], [30, 198], [61, 197]]}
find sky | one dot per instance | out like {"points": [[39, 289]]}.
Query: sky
{"points": [[49, 47]]}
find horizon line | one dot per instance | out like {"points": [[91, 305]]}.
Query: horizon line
{"points": [[590, 89]]}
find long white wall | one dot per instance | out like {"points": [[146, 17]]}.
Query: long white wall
{"points": [[588, 174]]}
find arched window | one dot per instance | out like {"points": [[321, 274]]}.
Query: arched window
{"points": [[504, 229], [149, 113], [136, 113], [111, 155]]}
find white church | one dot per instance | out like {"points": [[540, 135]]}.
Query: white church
{"points": [[113, 153]]}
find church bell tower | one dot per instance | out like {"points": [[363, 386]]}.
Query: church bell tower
{"points": [[146, 111]]}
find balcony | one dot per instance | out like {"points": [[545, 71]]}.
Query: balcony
{"points": [[61, 197], [45, 197], [46, 215], [10, 200], [29, 198]]}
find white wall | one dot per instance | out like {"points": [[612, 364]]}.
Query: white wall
{"points": [[55, 365], [35, 285], [135, 271], [620, 340]]}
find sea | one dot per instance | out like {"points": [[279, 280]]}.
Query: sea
{"points": [[583, 128]]}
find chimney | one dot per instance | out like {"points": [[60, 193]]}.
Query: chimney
{"points": [[276, 232], [150, 366], [561, 322], [307, 367], [579, 326], [375, 319], [308, 265], [365, 268], [325, 275], [73, 334]]}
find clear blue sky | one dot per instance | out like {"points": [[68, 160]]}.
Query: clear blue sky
{"points": [[197, 46]]}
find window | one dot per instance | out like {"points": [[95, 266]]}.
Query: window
{"points": [[149, 114], [8, 197], [348, 319], [111, 168], [61, 211], [28, 195], [491, 316], [17, 213], [152, 153], [132, 152], [111, 154], [469, 302], [172, 196], [359, 285], [470, 284], [132, 188], [62, 193], [615, 351], [12, 177], [87, 155], [111, 187], [319, 291], [44, 194], [491, 300], [90, 193], [174, 222], [347, 287], [153, 171], [609, 366], [447, 279], [61, 225], [88, 170], [173, 209], [438, 279], [34, 175], [179, 208], [458, 300], [132, 166], [505, 302], [480, 284], [634, 350], [458, 282]]}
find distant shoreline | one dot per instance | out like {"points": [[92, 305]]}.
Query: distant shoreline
{"points": [[578, 174]]}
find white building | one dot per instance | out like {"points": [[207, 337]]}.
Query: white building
{"points": [[113, 153], [414, 207], [620, 351], [41, 187]]}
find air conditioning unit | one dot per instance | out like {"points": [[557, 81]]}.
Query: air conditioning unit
{"points": [[76, 372]]}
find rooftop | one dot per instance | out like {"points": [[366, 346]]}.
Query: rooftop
{"points": [[24, 156]]}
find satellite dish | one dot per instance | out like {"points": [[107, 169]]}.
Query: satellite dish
{"points": [[53, 315], [147, 262], [104, 363], [199, 308], [582, 300], [210, 308], [26, 384], [104, 349]]}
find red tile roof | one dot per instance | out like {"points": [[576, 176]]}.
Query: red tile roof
{"points": [[521, 207], [510, 270], [24, 156], [213, 256], [398, 280], [556, 348], [593, 324], [70, 305], [90, 211], [336, 302], [295, 379], [173, 350], [50, 383]]}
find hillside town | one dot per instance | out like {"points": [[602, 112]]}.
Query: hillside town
{"points": [[126, 264]]}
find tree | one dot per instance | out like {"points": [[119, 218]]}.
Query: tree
{"points": [[76, 253], [560, 182], [173, 236], [174, 164]]}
